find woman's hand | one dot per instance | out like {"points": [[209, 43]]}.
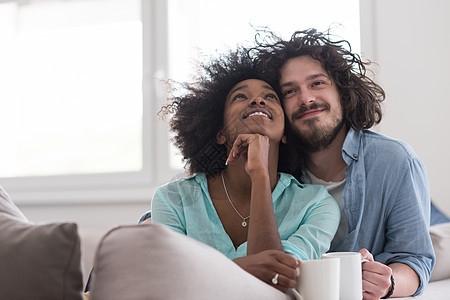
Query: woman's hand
{"points": [[266, 264], [255, 150]]}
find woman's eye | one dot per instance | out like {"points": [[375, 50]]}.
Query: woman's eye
{"points": [[239, 97], [271, 96]]}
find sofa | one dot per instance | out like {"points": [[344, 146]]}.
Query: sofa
{"points": [[51, 261]]}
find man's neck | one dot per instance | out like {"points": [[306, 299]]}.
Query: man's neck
{"points": [[328, 164]]}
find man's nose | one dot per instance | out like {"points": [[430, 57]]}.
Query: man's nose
{"points": [[306, 98]]}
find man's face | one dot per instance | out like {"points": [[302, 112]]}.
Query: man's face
{"points": [[311, 102]]}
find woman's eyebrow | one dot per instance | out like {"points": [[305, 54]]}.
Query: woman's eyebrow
{"points": [[241, 87], [268, 87], [238, 88]]}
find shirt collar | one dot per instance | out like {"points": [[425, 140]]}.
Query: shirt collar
{"points": [[350, 149]]}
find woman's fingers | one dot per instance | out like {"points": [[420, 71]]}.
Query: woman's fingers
{"points": [[238, 148], [286, 266], [251, 146], [266, 264], [283, 283]]}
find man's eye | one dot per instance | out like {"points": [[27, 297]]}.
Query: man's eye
{"points": [[317, 83], [288, 92]]}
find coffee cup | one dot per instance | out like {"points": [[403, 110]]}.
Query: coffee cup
{"points": [[318, 280], [350, 274]]}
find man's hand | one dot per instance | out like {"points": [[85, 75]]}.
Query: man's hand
{"points": [[266, 264], [376, 277]]}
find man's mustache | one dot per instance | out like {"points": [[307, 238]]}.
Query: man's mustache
{"points": [[304, 109]]}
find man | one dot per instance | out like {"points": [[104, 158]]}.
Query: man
{"points": [[380, 183]]}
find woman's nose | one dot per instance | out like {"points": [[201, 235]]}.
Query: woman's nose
{"points": [[258, 101]]}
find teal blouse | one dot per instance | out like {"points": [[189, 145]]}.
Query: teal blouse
{"points": [[306, 215]]}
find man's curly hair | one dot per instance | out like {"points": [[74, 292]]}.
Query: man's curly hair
{"points": [[361, 97], [198, 113]]}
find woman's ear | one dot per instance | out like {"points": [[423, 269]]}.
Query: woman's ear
{"points": [[220, 138], [284, 139]]}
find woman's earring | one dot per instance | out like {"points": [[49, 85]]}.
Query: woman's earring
{"points": [[220, 138]]}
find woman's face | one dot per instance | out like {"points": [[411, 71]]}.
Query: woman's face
{"points": [[252, 106]]}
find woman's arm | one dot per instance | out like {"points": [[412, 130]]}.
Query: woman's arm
{"points": [[316, 216], [262, 231], [265, 254]]}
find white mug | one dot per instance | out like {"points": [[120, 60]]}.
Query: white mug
{"points": [[318, 280], [350, 274]]}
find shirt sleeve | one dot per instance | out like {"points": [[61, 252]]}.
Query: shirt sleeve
{"points": [[164, 212], [407, 227], [317, 228]]}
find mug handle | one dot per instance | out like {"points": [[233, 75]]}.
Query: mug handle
{"points": [[363, 261]]}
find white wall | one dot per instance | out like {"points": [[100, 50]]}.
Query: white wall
{"points": [[411, 47], [102, 216]]}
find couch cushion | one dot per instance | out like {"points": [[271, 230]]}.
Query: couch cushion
{"points": [[153, 262], [437, 290], [440, 236], [37, 261]]}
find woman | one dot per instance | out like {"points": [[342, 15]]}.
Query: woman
{"points": [[229, 127]]}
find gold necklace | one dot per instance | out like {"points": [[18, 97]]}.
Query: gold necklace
{"points": [[244, 220]]}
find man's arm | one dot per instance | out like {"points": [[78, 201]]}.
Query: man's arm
{"points": [[410, 256], [406, 280]]}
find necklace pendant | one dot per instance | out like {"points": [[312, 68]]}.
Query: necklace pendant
{"points": [[244, 223]]}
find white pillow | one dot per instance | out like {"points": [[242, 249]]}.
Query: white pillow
{"points": [[150, 261], [440, 236]]}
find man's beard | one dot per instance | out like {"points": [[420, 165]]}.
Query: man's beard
{"points": [[317, 137]]}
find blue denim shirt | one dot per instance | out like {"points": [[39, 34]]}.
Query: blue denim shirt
{"points": [[386, 201]]}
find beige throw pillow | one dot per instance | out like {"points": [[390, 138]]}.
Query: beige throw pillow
{"points": [[440, 236], [37, 261]]}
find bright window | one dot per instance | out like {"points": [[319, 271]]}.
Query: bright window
{"points": [[71, 91]]}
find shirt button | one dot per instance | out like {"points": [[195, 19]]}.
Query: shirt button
{"points": [[355, 155]]}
